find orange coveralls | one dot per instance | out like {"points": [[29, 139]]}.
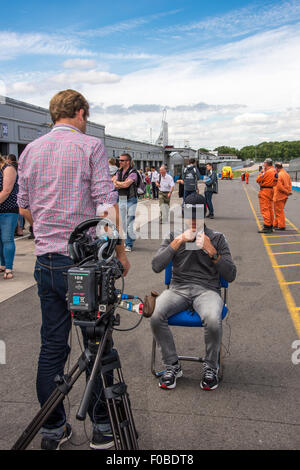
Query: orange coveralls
{"points": [[267, 180], [247, 177], [282, 191]]}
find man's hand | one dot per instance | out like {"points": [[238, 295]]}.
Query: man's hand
{"points": [[189, 235], [200, 240], [121, 255], [169, 195], [208, 246]]}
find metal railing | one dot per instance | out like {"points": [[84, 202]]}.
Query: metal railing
{"points": [[295, 175]]}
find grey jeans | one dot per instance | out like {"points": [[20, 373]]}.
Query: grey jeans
{"points": [[207, 303]]}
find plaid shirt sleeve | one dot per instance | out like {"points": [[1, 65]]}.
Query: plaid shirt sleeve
{"points": [[102, 188], [23, 197]]}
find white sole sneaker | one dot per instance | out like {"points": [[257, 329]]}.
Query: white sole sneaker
{"points": [[170, 387]]}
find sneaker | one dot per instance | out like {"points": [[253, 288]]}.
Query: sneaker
{"points": [[168, 379], [210, 379], [101, 440], [53, 444], [266, 229], [128, 248], [279, 228]]}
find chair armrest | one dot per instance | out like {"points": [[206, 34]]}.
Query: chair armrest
{"points": [[168, 274]]}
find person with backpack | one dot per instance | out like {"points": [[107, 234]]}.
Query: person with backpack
{"points": [[190, 178], [128, 182], [211, 187]]}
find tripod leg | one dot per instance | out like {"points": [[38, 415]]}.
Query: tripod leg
{"points": [[128, 413], [118, 405], [64, 385]]}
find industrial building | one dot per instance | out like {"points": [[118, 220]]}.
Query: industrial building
{"points": [[21, 123]]}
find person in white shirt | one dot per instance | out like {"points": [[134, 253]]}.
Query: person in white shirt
{"points": [[165, 186], [154, 179]]}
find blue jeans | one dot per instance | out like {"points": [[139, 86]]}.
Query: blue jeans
{"points": [[51, 276], [8, 223], [208, 197], [127, 208]]}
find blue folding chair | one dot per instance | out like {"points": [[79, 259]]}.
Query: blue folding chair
{"points": [[188, 318]]}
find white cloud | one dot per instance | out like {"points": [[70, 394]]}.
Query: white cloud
{"points": [[79, 64], [242, 21], [19, 44], [22, 88], [253, 118], [128, 25], [89, 77], [238, 93]]}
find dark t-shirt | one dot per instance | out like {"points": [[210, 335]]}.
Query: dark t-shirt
{"points": [[10, 204]]}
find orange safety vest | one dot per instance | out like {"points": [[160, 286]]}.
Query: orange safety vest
{"points": [[283, 187], [267, 179]]}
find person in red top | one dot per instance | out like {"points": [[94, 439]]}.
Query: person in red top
{"points": [[282, 191], [267, 179]]}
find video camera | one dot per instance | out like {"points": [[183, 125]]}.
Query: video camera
{"points": [[92, 300], [91, 283]]}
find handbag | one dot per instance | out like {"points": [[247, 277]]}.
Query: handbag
{"points": [[149, 304]]}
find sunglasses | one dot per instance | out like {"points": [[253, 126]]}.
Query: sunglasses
{"points": [[123, 161]]}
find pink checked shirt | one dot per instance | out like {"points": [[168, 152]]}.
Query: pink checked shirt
{"points": [[63, 179]]}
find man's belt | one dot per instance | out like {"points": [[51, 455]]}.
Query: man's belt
{"points": [[266, 187], [164, 192]]}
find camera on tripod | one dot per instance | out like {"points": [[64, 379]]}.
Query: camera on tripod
{"points": [[91, 284], [92, 300]]}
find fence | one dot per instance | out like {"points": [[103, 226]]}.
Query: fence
{"points": [[295, 175]]}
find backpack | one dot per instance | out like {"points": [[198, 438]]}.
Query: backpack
{"points": [[190, 178], [140, 185]]}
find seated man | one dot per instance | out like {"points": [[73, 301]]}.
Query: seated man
{"points": [[200, 256]]}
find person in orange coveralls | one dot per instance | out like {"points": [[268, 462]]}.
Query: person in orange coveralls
{"points": [[267, 179], [282, 191], [247, 177]]}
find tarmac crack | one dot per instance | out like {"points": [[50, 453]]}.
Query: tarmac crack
{"points": [[203, 415]]}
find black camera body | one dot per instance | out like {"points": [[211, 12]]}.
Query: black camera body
{"points": [[91, 291], [91, 284]]}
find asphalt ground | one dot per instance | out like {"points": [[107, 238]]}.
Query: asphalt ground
{"points": [[257, 405]]}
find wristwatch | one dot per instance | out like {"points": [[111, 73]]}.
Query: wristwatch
{"points": [[215, 256]]}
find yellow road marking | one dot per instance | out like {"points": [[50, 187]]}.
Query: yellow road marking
{"points": [[282, 243], [289, 300], [292, 282], [286, 252], [285, 265], [292, 225], [284, 235]]}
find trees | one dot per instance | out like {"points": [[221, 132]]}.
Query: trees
{"points": [[278, 151], [224, 150]]}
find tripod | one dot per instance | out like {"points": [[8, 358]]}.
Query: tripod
{"points": [[103, 360]]}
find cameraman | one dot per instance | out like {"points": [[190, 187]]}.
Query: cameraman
{"points": [[64, 179], [199, 257]]}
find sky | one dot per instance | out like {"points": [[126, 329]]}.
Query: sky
{"points": [[224, 73]]}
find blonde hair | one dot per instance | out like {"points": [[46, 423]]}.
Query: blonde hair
{"points": [[65, 104], [2, 161]]}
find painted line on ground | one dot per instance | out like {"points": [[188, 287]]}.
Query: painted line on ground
{"points": [[289, 299]]}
